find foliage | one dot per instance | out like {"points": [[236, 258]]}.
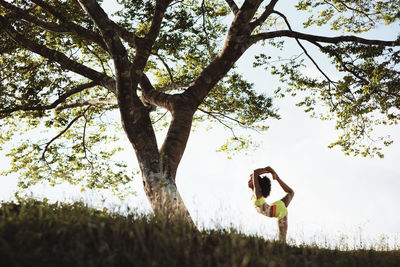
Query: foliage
{"points": [[365, 91], [350, 15], [36, 233], [84, 152]]}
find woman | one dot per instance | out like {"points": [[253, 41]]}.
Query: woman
{"points": [[261, 188]]}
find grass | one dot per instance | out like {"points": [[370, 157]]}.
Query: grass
{"points": [[34, 233]]}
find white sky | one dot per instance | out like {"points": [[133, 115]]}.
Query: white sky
{"points": [[336, 196]]}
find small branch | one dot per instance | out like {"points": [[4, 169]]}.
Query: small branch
{"points": [[93, 102], [53, 105], [342, 63], [61, 133], [232, 5], [166, 66], [227, 117], [304, 49], [98, 57], [173, 86], [357, 11], [83, 140], [205, 26], [220, 121], [162, 116], [268, 10], [332, 5]]}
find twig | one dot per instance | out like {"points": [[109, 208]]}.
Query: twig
{"points": [[357, 11], [61, 133], [219, 120], [162, 116], [205, 26], [166, 66], [305, 50], [83, 139]]}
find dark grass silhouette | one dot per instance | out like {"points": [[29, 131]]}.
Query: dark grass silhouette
{"points": [[34, 233]]}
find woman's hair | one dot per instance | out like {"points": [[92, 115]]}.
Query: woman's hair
{"points": [[265, 184]]}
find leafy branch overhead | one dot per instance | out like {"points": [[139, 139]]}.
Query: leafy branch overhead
{"points": [[67, 67]]}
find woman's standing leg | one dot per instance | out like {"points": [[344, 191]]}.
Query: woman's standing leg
{"points": [[282, 228]]}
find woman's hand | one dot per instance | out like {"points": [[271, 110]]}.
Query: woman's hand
{"points": [[269, 169]]}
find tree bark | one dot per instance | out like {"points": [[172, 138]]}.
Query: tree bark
{"points": [[159, 167]]}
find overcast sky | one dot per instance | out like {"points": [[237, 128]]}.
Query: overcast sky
{"points": [[336, 196]]}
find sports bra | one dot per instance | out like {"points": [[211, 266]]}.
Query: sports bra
{"points": [[279, 209]]}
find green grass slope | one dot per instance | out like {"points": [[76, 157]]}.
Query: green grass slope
{"points": [[35, 233]]}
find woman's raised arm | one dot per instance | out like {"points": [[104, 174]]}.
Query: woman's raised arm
{"points": [[290, 193]]}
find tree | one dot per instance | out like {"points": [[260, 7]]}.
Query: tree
{"points": [[66, 65]]}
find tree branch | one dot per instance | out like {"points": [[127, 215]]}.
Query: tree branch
{"points": [[220, 121], [304, 49], [85, 149], [105, 25], [92, 102], [53, 55], [61, 133], [356, 10], [173, 86], [52, 10], [322, 39], [67, 26], [171, 77], [53, 105], [24, 15], [216, 114], [156, 97], [161, 7], [113, 101], [268, 10], [145, 44], [342, 63], [232, 5]]}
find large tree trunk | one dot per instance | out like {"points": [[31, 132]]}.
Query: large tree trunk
{"points": [[164, 196], [161, 187], [159, 167]]}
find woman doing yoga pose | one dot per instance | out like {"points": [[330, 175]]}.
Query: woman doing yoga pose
{"points": [[261, 187]]}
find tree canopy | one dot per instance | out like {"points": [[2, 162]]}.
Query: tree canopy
{"points": [[67, 66]]}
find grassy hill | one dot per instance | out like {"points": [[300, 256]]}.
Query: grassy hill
{"points": [[34, 233]]}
